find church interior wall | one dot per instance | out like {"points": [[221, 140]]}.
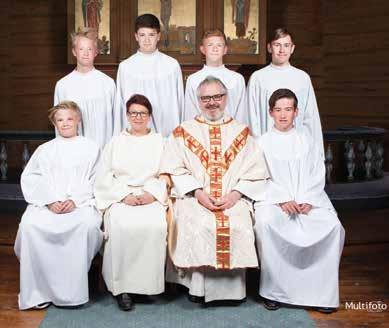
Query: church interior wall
{"points": [[343, 45]]}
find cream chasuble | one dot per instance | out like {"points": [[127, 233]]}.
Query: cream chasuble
{"points": [[218, 158]]}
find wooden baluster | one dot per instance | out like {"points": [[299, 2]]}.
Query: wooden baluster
{"points": [[328, 160], [3, 162], [379, 160], [350, 156], [25, 155], [368, 163]]}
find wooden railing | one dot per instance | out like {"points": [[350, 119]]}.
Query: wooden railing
{"points": [[354, 154], [25, 137]]}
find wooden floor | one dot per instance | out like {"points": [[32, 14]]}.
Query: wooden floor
{"points": [[364, 277]]}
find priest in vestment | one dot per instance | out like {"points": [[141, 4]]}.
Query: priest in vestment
{"points": [[216, 169], [153, 74], [281, 74], [59, 233], [133, 200], [299, 236], [214, 47], [91, 89]]}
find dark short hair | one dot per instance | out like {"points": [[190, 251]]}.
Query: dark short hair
{"points": [[282, 93], [139, 100], [147, 20], [278, 33]]}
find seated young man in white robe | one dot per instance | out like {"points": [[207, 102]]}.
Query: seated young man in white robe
{"points": [[153, 74], [216, 168], [59, 233], [299, 236], [281, 74], [133, 199], [214, 47], [91, 89]]}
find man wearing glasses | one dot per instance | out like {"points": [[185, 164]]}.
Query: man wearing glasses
{"points": [[216, 169], [280, 74]]}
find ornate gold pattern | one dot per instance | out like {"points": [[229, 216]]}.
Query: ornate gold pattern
{"points": [[216, 165]]}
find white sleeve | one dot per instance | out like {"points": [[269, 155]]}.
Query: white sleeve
{"points": [[157, 188], [108, 189], [119, 108], [311, 120], [180, 94], [241, 109], [37, 187], [191, 105], [253, 106]]}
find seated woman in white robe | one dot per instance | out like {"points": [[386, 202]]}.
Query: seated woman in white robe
{"points": [[299, 236], [133, 199], [59, 233]]}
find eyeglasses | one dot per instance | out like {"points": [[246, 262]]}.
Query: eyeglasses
{"points": [[134, 114], [207, 99]]}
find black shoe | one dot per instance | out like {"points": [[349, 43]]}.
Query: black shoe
{"points": [[271, 305], [143, 299], [124, 301], [196, 299], [326, 310]]}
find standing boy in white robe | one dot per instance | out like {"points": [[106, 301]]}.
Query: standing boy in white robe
{"points": [[152, 74], [281, 74], [214, 47], [299, 236], [91, 89], [213, 161], [59, 233]]}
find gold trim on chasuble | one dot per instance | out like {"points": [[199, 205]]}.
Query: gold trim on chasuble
{"points": [[216, 165]]}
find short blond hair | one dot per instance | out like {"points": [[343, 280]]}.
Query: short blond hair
{"points": [[85, 32], [67, 105]]}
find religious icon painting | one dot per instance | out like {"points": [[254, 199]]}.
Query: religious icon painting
{"points": [[95, 14], [241, 26], [178, 23]]}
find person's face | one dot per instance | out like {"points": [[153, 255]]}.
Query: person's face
{"points": [[281, 50], [138, 117], [283, 114], [66, 121], [213, 100], [147, 39], [85, 51], [214, 48]]}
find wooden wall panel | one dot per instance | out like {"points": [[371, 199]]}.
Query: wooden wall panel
{"points": [[35, 57], [343, 45], [355, 62]]}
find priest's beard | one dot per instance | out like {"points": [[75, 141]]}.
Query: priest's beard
{"points": [[217, 116]]}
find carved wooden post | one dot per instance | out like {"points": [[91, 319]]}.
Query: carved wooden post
{"points": [[379, 160], [3, 163], [328, 160], [368, 163], [350, 156], [25, 155]]}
